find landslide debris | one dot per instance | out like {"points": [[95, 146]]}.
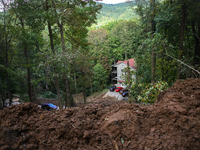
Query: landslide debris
{"points": [[171, 123]]}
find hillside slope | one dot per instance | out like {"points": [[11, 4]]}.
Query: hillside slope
{"points": [[112, 12]]}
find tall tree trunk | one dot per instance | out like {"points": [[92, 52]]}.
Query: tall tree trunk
{"points": [[137, 78], [129, 81], [50, 30], [196, 32], [67, 88], [67, 82], [114, 60], [30, 93], [198, 52], [84, 95], [2, 97], [8, 89], [163, 56], [84, 84], [181, 36], [7, 63], [162, 68], [53, 50], [153, 54], [7, 75], [58, 91], [153, 65], [91, 89], [51, 36], [75, 87]]}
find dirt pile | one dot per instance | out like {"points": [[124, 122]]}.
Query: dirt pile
{"points": [[172, 123]]}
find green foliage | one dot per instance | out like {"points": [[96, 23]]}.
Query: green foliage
{"points": [[110, 25], [113, 12], [126, 33], [28, 52], [100, 77], [49, 94], [24, 98], [25, 44], [150, 93], [125, 77]]}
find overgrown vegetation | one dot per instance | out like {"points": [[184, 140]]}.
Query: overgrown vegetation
{"points": [[150, 93], [50, 46]]}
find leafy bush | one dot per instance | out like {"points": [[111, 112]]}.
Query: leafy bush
{"points": [[100, 77], [24, 97], [134, 90], [151, 92], [49, 94]]}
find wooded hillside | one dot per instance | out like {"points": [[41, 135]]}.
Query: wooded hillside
{"points": [[113, 12], [49, 49]]}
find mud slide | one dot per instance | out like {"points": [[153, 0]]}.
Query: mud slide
{"points": [[173, 123]]}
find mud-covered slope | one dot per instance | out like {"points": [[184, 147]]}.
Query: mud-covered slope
{"points": [[172, 123]]}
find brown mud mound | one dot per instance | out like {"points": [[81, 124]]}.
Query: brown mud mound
{"points": [[172, 123]]}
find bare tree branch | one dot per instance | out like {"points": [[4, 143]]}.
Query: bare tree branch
{"points": [[196, 6], [181, 61], [196, 36]]}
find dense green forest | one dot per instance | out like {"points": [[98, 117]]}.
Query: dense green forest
{"points": [[48, 48], [113, 12]]}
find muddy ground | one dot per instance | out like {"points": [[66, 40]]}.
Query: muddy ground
{"points": [[172, 123]]}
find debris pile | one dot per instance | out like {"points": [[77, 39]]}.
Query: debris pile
{"points": [[171, 123]]}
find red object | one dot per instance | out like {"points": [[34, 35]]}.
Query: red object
{"points": [[118, 89], [131, 63]]}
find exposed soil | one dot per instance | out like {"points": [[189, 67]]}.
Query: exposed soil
{"points": [[172, 123]]}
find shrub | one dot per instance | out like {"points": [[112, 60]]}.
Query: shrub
{"points": [[49, 94], [151, 92]]}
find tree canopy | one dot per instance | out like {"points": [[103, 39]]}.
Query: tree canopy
{"points": [[54, 47]]}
